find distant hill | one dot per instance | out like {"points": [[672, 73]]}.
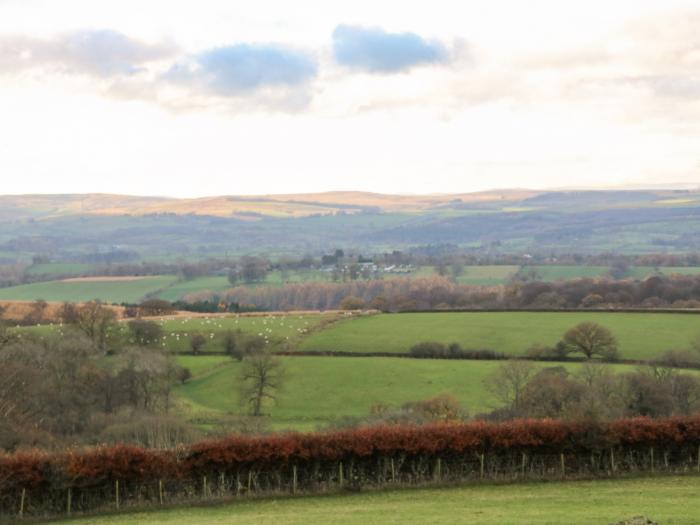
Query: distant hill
{"points": [[244, 207], [99, 228]]}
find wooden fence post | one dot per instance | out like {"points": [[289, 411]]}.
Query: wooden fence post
{"points": [[393, 472], [651, 453], [294, 479], [204, 486], [116, 492], [481, 470], [438, 469], [612, 460], [21, 503], [340, 474], [69, 503], [160, 491], [522, 465], [222, 483], [563, 465]]}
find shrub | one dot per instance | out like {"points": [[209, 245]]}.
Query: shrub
{"points": [[436, 350], [197, 342], [678, 359], [352, 303], [145, 333], [153, 307]]}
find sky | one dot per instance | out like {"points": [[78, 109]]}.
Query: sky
{"points": [[214, 97]]}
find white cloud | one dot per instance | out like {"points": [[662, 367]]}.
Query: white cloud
{"points": [[542, 93]]}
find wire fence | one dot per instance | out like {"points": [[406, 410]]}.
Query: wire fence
{"points": [[372, 472]]}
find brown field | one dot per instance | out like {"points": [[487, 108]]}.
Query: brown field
{"points": [[104, 279]]}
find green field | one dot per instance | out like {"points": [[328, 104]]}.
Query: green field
{"points": [[319, 390], [668, 500], [640, 335], [282, 332], [79, 291], [562, 272], [487, 275], [172, 288], [60, 269]]}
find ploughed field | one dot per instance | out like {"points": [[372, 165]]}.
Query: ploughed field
{"points": [[668, 500]]}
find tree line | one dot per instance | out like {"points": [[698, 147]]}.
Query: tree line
{"points": [[442, 293]]}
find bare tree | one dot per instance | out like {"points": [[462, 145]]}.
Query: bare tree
{"points": [[591, 339], [197, 342], [508, 382], [96, 321], [262, 376]]}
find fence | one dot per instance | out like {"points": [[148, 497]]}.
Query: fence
{"points": [[40, 484]]}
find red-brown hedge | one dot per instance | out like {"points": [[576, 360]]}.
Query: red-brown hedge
{"points": [[103, 465]]}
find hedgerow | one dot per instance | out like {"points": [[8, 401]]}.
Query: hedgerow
{"points": [[40, 483]]}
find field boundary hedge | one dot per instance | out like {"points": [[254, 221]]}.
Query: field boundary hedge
{"points": [[651, 310], [46, 484]]}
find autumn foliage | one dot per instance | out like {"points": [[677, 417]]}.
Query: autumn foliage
{"points": [[319, 461]]}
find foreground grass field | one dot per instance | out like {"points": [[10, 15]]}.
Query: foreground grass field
{"points": [[668, 500], [640, 335], [320, 390]]}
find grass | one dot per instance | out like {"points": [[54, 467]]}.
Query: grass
{"points": [[106, 291], [640, 335], [170, 288], [320, 390], [282, 332], [60, 269], [562, 272], [668, 500], [487, 275], [219, 284], [201, 364], [179, 289]]}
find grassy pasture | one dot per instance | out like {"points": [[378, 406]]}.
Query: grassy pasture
{"points": [[80, 291], [669, 500], [282, 332], [640, 335], [60, 269], [487, 275], [563, 272], [171, 288], [319, 390]]}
